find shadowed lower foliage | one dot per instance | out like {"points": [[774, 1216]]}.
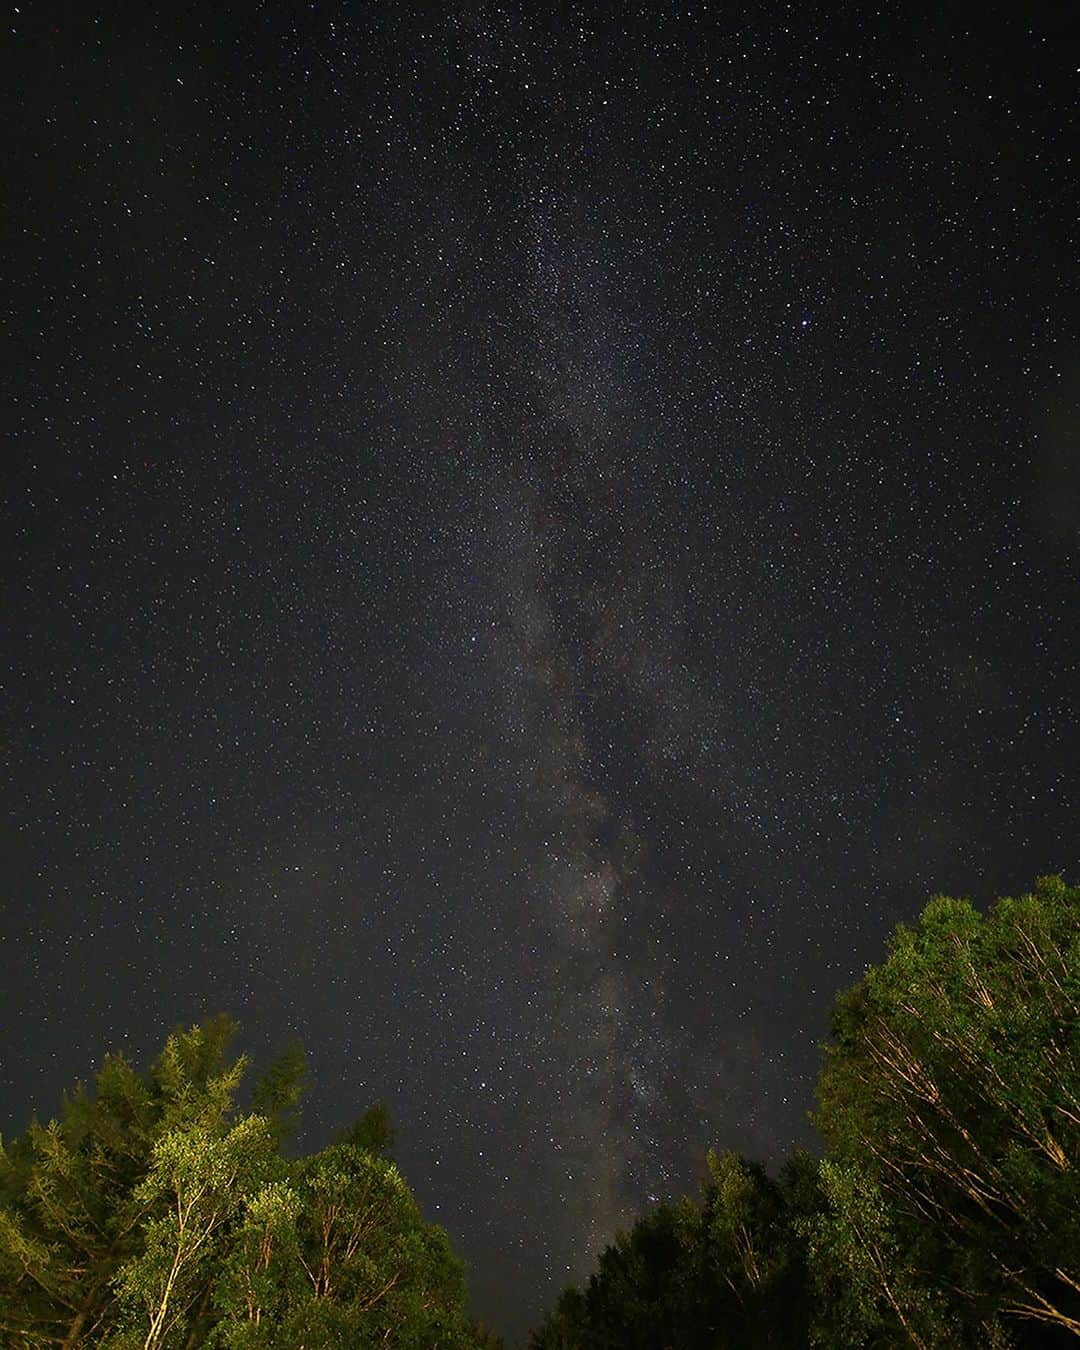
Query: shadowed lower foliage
{"points": [[725, 1271]]}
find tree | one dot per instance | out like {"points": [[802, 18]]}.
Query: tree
{"points": [[69, 1216], [950, 1105], [196, 1187], [282, 1088], [373, 1132], [727, 1271], [866, 1290], [157, 1214]]}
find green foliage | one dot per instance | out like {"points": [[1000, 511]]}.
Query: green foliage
{"points": [[260, 1277], [156, 1214], [69, 1217], [195, 1189], [373, 1132], [281, 1089], [866, 1292], [952, 1093], [484, 1338]]}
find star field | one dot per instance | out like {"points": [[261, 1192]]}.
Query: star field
{"points": [[532, 541]]}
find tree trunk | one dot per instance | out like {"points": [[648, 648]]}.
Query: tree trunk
{"points": [[193, 1335], [75, 1331]]}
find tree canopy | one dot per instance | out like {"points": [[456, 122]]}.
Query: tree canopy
{"points": [[155, 1213], [950, 1108]]}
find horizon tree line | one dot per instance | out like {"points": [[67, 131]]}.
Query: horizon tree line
{"points": [[157, 1211]]}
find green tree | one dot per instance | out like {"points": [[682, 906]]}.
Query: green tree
{"points": [[156, 1214], [867, 1291], [373, 1132], [69, 1215], [367, 1252], [727, 1271], [280, 1091], [196, 1187], [950, 1105]]}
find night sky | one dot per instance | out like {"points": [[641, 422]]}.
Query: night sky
{"points": [[532, 540]]}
